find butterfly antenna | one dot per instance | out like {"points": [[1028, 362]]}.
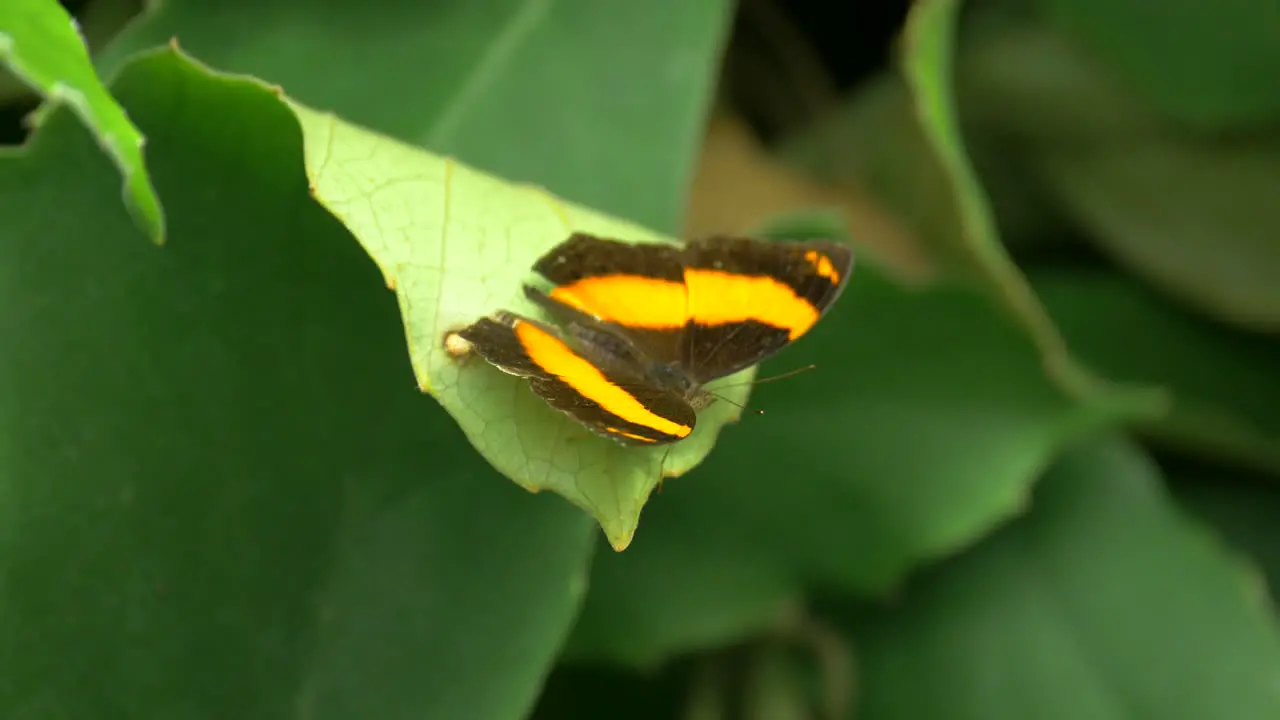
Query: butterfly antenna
{"points": [[771, 378], [757, 411], [740, 406], [662, 471]]}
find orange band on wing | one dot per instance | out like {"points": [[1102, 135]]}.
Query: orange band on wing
{"points": [[631, 300], [633, 436], [822, 265], [719, 298], [708, 297], [554, 356]]}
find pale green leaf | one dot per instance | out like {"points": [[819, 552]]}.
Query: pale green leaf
{"points": [[456, 244]]}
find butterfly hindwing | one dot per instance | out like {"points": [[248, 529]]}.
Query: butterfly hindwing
{"points": [[605, 391]]}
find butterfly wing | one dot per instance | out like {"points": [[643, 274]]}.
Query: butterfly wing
{"points": [[606, 393], [636, 289], [749, 298]]}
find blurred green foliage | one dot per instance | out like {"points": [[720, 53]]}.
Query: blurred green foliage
{"points": [[1043, 484]]}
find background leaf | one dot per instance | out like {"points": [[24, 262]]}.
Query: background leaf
{"points": [[918, 164], [609, 98], [1185, 211], [1129, 333], [1103, 602], [1209, 65], [222, 496], [1240, 508], [1194, 217], [928, 66], [835, 463], [574, 693], [40, 44]]}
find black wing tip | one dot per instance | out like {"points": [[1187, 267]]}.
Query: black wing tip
{"points": [[576, 239], [581, 236], [842, 254], [839, 253], [476, 329], [536, 294], [549, 265], [500, 321]]}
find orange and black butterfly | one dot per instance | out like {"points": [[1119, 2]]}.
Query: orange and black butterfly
{"points": [[643, 327]]}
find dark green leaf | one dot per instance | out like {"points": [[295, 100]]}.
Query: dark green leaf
{"points": [[1104, 602], [593, 693], [223, 496], [1240, 508]]}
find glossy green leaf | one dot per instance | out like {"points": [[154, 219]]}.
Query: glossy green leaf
{"points": [[41, 45], [1223, 383], [1103, 602], [602, 103], [925, 423], [1212, 64], [222, 495]]}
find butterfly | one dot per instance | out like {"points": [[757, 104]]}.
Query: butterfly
{"points": [[641, 328]]}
